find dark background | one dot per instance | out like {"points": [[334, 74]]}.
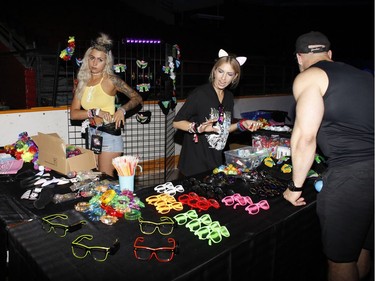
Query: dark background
{"points": [[259, 29]]}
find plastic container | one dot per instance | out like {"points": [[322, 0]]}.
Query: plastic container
{"points": [[255, 115], [247, 157]]}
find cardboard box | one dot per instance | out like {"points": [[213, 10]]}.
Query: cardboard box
{"points": [[52, 154]]}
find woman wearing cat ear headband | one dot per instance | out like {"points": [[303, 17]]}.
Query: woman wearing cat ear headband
{"points": [[206, 117]]}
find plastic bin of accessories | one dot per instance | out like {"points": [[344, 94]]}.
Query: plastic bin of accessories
{"points": [[247, 157], [275, 115]]}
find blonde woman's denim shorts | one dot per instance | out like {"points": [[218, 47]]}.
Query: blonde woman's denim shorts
{"points": [[110, 143]]}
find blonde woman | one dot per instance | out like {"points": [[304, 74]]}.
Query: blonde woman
{"points": [[94, 100]]}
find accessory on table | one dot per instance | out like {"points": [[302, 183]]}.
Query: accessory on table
{"points": [[214, 232], [59, 228], [164, 203], [193, 200], [162, 254], [182, 218], [169, 188], [255, 208], [237, 199], [197, 223], [165, 226], [99, 253]]}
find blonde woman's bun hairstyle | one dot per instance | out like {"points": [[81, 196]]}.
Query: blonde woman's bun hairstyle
{"points": [[102, 43]]}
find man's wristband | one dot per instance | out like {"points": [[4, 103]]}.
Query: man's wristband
{"points": [[293, 188]]}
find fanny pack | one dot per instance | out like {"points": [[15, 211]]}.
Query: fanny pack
{"points": [[109, 129]]}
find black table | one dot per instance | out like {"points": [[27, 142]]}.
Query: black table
{"points": [[282, 243]]}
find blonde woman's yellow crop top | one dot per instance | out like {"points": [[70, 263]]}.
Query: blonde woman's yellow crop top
{"points": [[95, 97]]}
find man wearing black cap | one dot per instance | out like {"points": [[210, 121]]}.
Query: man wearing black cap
{"points": [[335, 112]]}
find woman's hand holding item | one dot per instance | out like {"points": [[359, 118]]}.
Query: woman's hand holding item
{"points": [[208, 126], [119, 118], [252, 125]]}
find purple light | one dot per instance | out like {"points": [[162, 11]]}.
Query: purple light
{"points": [[142, 41]]}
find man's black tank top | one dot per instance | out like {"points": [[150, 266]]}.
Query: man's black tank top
{"points": [[346, 134]]}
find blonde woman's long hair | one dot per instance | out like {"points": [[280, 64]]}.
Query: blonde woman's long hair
{"points": [[231, 59], [104, 44]]}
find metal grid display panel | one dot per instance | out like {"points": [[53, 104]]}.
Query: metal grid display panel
{"points": [[150, 142]]}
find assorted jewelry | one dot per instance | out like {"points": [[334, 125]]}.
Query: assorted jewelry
{"points": [[241, 126], [144, 117], [91, 113], [79, 62], [143, 87], [141, 64], [109, 203], [118, 68], [221, 118], [68, 52], [194, 129]]}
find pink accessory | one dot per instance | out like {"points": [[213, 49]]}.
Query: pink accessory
{"points": [[255, 208], [11, 166], [241, 60]]}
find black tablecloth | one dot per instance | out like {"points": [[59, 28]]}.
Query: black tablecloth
{"points": [[282, 243]]}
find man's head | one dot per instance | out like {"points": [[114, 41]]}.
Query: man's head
{"points": [[312, 42]]}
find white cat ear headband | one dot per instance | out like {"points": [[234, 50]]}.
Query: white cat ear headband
{"points": [[241, 60]]}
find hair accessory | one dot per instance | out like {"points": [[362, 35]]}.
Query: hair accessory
{"points": [[241, 60]]}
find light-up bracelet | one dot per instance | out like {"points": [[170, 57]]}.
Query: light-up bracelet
{"points": [[81, 206]]}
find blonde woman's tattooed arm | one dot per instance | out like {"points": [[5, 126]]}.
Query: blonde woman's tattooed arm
{"points": [[134, 98]]}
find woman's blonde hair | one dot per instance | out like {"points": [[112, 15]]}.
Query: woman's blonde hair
{"points": [[235, 65], [104, 44]]}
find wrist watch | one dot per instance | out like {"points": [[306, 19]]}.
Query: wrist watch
{"points": [[293, 188]]}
